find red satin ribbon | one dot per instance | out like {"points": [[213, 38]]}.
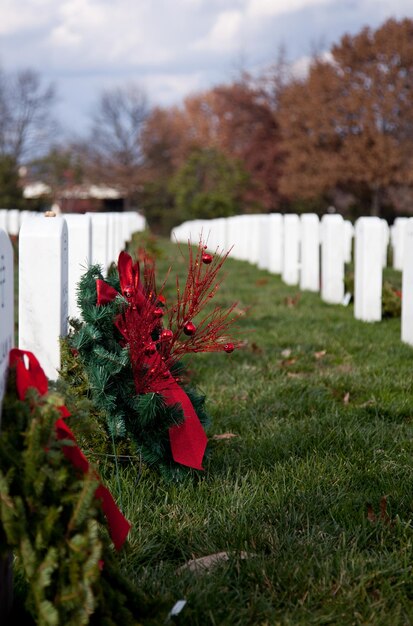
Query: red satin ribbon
{"points": [[105, 292], [129, 273], [188, 440], [34, 376]]}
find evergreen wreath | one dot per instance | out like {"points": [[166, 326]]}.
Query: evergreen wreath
{"points": [[128, 359], [51, 517]]}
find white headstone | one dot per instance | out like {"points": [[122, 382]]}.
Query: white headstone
{"points": [[385, 241], [218, 234], [6, 307], [254, 233], [265, 243], [276, 251], [43, 289], [113, 241], [234, 236], [368, 269], [80, 251], [13, 222], [120, 242], [398, 232], [137, 222], [190, 231], [241, 238], [100, 240], [133, 222], [348, 241], [3, 220], [291, 252], [332, 258], [407, 286], [310, 252]]}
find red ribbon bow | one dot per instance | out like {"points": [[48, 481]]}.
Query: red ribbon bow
{"points": [[188, 440], [33, 375]]}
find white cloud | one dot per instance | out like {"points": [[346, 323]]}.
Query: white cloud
{"points": [[271, 8], [17, 17], [224, 33], [172, 88], [172, 48], [117, 32]]}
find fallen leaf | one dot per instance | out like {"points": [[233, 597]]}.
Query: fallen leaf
{"points": [[286, 353], [288, 362], [261, 281], [256, 349], [292, 301], [294, 375], [224, 436], [371, 516], [383, 517], [320, 354], [346, 398], [205, 563]]}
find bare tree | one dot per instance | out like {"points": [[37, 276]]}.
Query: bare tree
{"points": [[116, 140], [26, 122]]}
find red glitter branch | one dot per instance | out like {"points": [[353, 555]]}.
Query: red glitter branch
{"points": [[154, 349], [201, 286]]}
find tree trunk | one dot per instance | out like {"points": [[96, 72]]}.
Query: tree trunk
{"points": [[375, 201]]}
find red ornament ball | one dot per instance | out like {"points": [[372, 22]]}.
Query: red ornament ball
{"points": [[166, 335], [158, 312], [128, 291], [189, 328], [229, 347], [207, 258], [150, 349]]}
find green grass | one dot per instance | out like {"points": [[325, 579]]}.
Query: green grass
{"points": [[322, 408], [320, 438]]}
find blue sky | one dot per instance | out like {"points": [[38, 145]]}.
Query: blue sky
{"points": [[171, 47]]}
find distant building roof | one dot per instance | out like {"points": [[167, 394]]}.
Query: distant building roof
{"points": [[36, 190], [100, 192], [80, 192]]}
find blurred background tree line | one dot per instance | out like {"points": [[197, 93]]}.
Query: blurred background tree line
{"points": [[340, 135]]}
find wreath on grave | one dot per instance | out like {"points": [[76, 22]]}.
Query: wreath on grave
{"points": [[53, 513], [391, 297], [125, 355]]}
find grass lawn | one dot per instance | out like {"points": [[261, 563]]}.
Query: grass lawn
{"points": [[313, 497], [322, 408]]}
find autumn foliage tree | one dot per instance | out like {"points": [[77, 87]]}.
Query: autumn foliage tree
{"points": [[349, 124], [235, 123]]}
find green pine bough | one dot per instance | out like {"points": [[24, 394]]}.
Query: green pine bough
{"points": [[125, 425], [125, 356], [66, 571]]}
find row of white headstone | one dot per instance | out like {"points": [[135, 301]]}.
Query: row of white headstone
{"points": [[312, 254], [53, 254]]}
